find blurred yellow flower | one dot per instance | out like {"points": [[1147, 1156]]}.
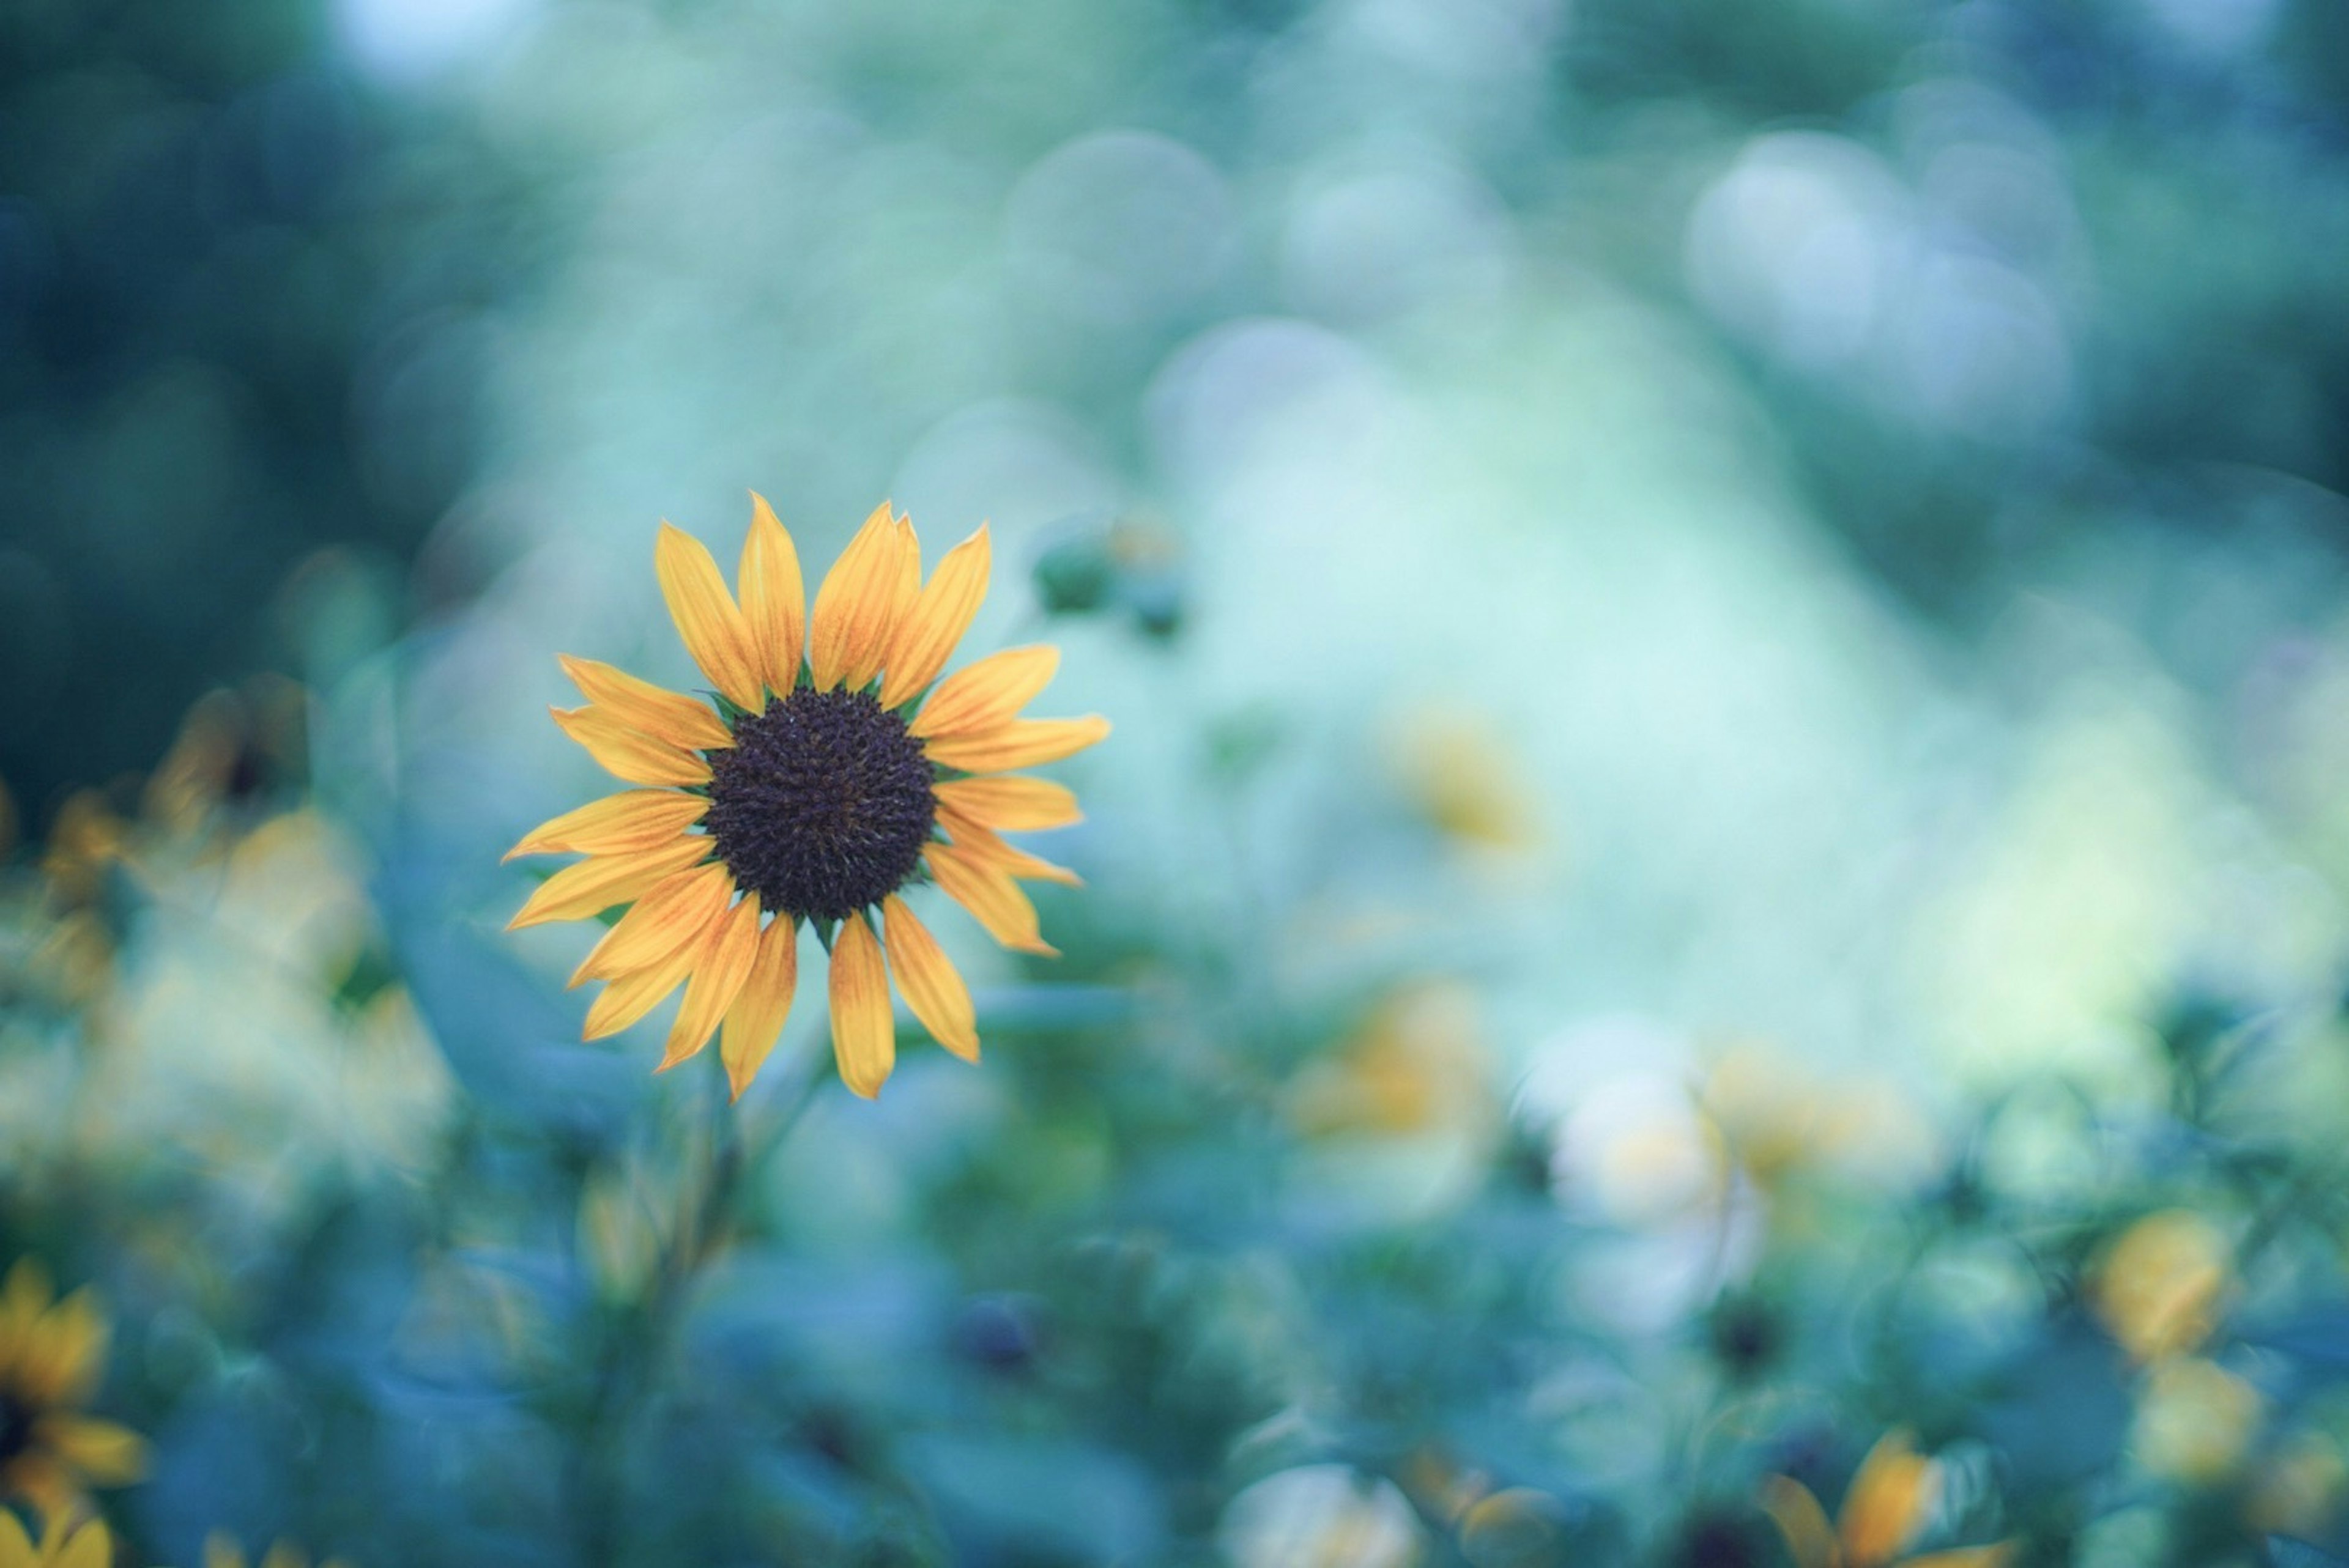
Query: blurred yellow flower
{"points": [[817, 789], [220, 1552], [2299, 1486], [1457, 773], [52, 1354], [83, 1545], [1417, 1063], [2162, 1287], [1888, 1504], [2195, 1421]]}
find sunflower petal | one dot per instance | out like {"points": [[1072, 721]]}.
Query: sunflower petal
{"points": [[774, 599], [1023, 743], [1810, 1539], [668, 715], [850, 621], [993, 898], [756, 1019], [864, 1034], [65, 1352], [1887, 1502], [598, 882], [905, 590], [91, 1546], [718, 976], [1995, 1556], [632, 995], [926, 979], [668, 917], [1014, 805], [984, 844], [987, 695], [109, 1454], [23, 1299], [628, 753], [712, 628], [631, 819], [15, 1546], [927, 633]]}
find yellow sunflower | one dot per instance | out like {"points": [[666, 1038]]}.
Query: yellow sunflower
{"points": [[86, 1545], [1887, 1504], [827, 776], [51, 1356]]}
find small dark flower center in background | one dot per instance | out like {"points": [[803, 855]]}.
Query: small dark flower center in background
{"points": [[15, 1427], [824, 804]]}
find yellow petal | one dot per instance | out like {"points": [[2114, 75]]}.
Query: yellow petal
{"points": [[1013, 805], [628, 753], [283, 1555], [632, 995], [905, 588], [15, 1546], [928, 632], [22, 1300], [928, 980], [1810, 1540], [671, 914], [684, 722], [863, 1035], [712, 628], [774, 600], [850, 622], [1996, 1556], [110, 1455], [756, 1019], [989, 695], [631, 819], [1888, 1502], [718, 976], [65, 1353], [220, 1552], [993, 898], [1023, 743], [984, 845], [88, 1547], [598, 882]]}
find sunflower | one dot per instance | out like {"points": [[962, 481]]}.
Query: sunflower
{"points": [[85, 1545], [824, 778], [1885, 1507], [51, 1353]]}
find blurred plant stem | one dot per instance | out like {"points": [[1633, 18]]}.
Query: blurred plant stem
{"points": [[642, 1341]]}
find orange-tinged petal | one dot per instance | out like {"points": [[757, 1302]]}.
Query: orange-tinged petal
{"points": [[993, 898], [989, 695], [1012, 805], [718, 976], [864, 1034], [1888, 1502], [984, 845], [928, 981], [850, 621], [628, 753], [684, 722], [756, 1019], [774, 599], [905, 589], [706, 616], [1995, 1556], [631, 819], [668, 917], [1810, 1540], [1023, 743], [598, 882], [110, 1455], [926, 634]]}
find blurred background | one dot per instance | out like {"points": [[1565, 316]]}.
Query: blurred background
{"points": [[1724, 837]]}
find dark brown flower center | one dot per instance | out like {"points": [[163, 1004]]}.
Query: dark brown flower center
{"points": [[15, 1426], [823, 805]]}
